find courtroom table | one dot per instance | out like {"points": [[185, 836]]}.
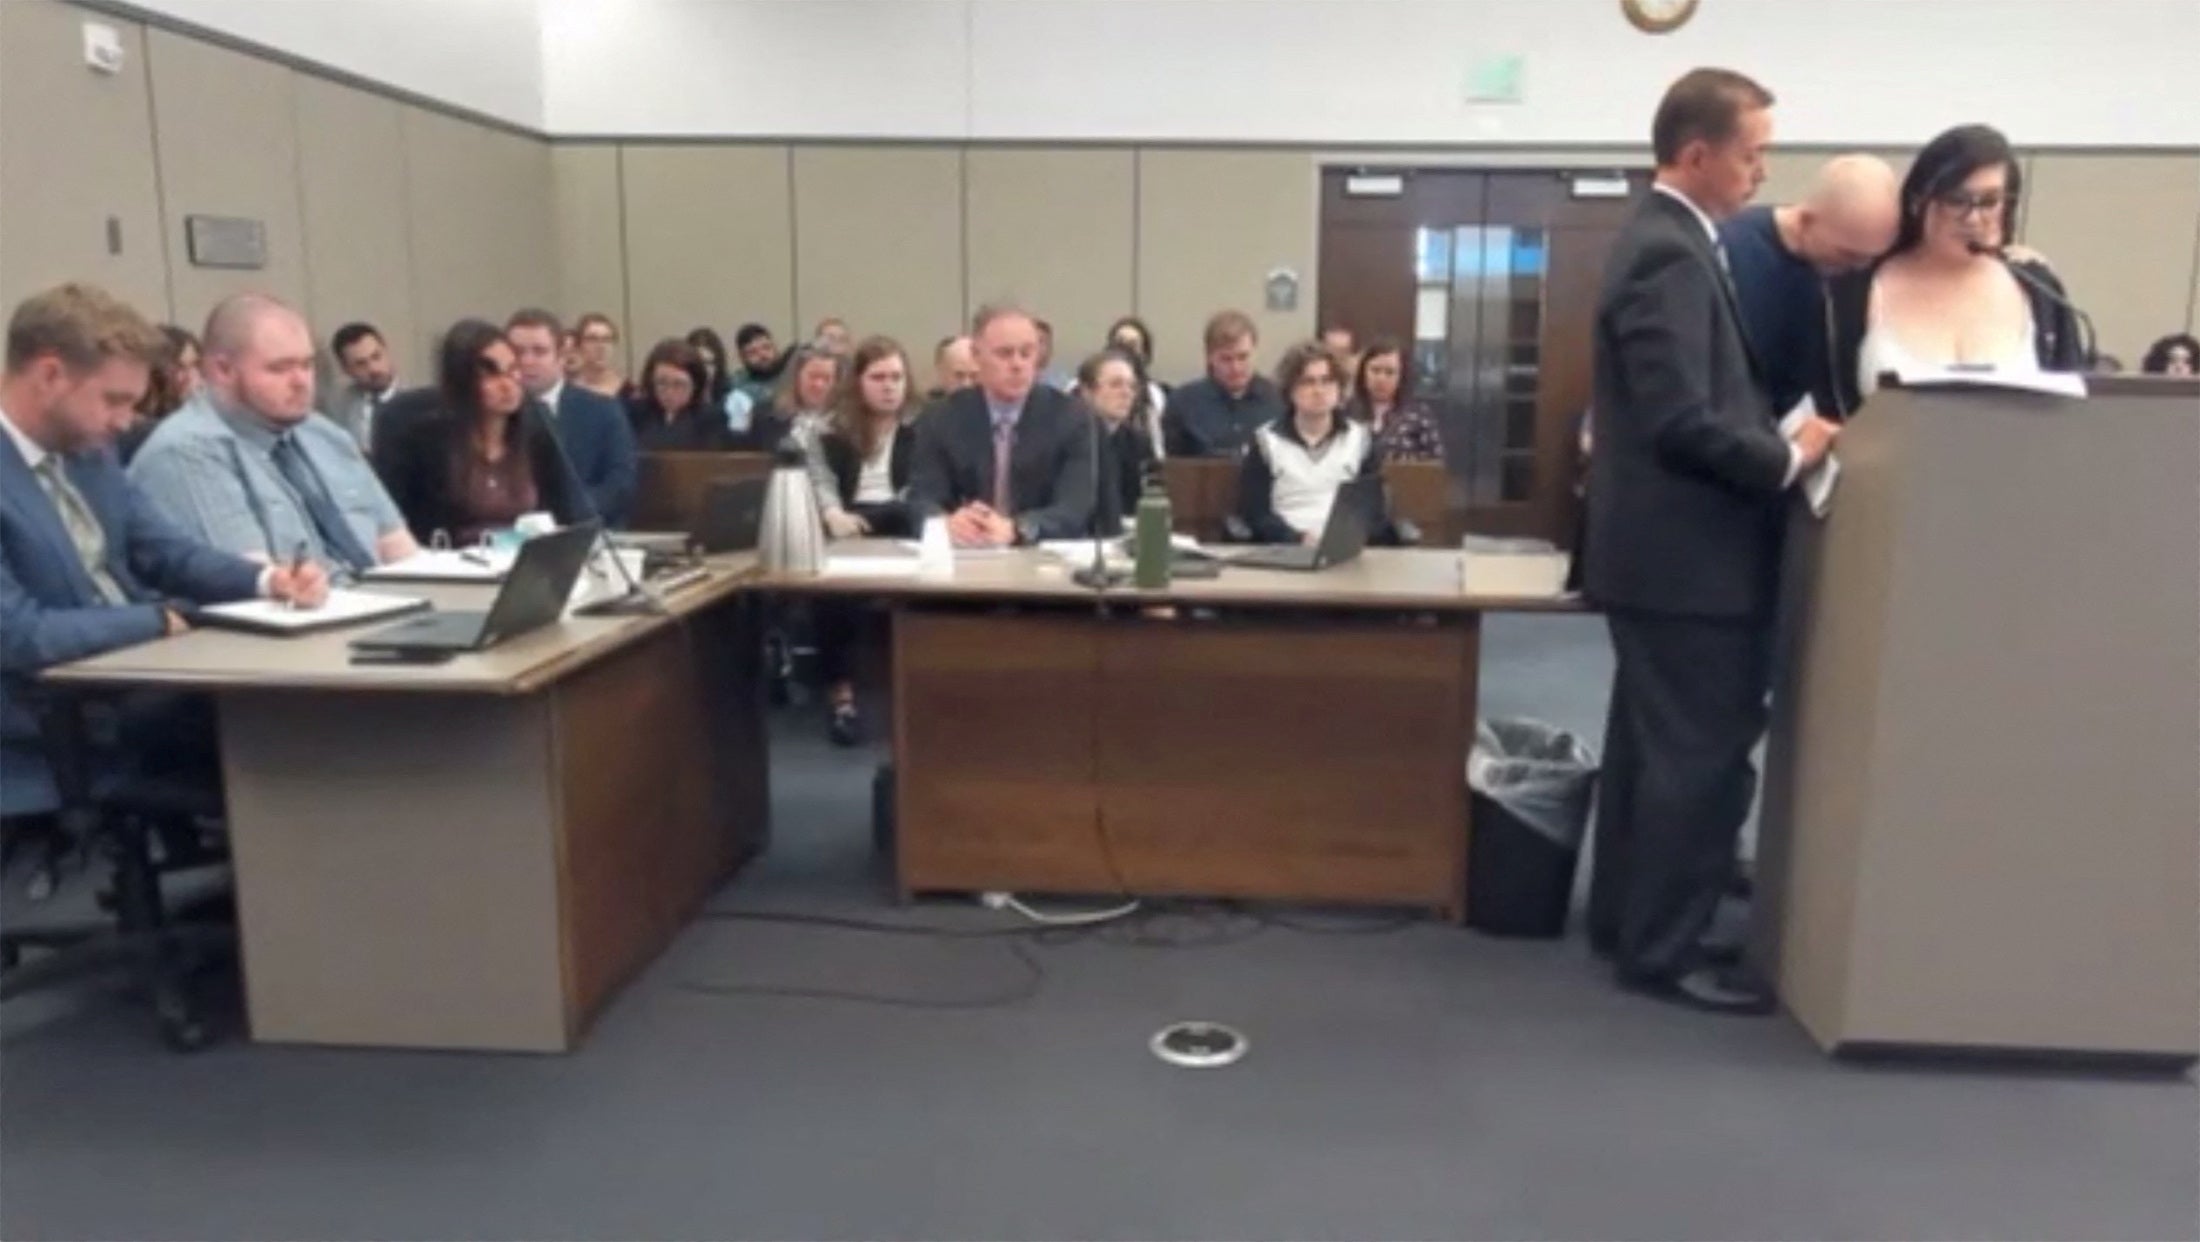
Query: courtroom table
{"points": [[475, 854], [670, 487], [1204, 490], [1264, 735]]}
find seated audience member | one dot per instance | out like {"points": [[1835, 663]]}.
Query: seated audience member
{"points": [[86, 564], [570, 360], [487, 457], [591, 427], [862, 464], [1781, 258], [1006, 462], [1131, 335], [250, 469], [168, 388], [1344, 344], [675, 413], [1382, 398], [1049, 374], [2173, 355], [1111, 384], [370, 379], [598, 341], [712, 351], [798, 404], [832, 337], [860, 460], [1935, 299], [1296, 464], [954, 368], [1216, 416], [761, 365]]}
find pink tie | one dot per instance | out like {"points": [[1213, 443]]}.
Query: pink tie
{"points": [[1004, 443]]}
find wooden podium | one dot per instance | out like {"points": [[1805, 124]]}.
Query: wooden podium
{"points": [[1982, 813]]}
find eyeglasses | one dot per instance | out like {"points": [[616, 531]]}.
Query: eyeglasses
{"points": [[1318, 381], [1964, 203], [490, 370], [598, 338]]}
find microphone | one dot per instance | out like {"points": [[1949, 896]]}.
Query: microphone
{"points": [[637, 595], [1097, 575], [2089, 340]]}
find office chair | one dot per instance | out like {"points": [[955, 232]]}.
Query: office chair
{"points": [[119, 818]]}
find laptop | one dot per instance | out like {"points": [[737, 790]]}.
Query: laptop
{"points": [[533, 595], [1351, 516], [732, 519]]}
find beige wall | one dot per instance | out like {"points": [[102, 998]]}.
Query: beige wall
{"points": [[373, 208], [379, 209]]}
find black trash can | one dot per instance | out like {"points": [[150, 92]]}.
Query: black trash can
{"points": [[1530, 785]]}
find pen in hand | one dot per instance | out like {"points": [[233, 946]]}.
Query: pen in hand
{"points": [[297, 566]]}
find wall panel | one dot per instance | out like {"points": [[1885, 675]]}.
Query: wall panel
{"points": [[352, 187], [227, 136], [709, 240], [1212, 224], [878, 239], [482, 227], [1053, 229], [76, 148], [2119, 231], [585, 212]]}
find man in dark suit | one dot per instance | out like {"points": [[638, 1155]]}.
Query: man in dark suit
{"points": [[86, 565], [1009, 461], [595, 431], [1684, 535]]}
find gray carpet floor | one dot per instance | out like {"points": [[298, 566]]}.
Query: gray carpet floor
{"points": [[1402, 1082]]}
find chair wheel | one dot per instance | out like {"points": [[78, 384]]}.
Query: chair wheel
{"points": [[182, 1027]]}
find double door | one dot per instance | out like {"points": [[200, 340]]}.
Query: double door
{"points": [[1490, 279]]}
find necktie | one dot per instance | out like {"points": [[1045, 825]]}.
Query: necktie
{"points": [[329, 525], [83, 526], [1004, 446]]}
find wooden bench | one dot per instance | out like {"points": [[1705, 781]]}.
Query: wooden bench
{"points": [[1204, 490], [670, 492]]}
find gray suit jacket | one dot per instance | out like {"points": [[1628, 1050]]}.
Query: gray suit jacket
{"points": [[1685, 485]]}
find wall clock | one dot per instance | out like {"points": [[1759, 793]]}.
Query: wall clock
{"points": [[1658, 16]]}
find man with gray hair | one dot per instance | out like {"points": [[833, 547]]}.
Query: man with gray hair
{"points": [[250, 468], [1781, 258]]}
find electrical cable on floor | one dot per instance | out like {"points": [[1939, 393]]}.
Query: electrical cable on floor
{"points": [[1059, 918], [1033, 974], [1379, 923]]}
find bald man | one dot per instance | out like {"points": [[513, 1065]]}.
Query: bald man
{"points": [[1781, 257], [248, 466]]}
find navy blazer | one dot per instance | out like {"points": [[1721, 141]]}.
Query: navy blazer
{"points": [[600, 441], [50, 613], [1050, 467]]}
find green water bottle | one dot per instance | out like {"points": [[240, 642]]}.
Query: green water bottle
{"points": [[1151, 538]]}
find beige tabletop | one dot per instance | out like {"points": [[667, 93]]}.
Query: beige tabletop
{"points": [[215, 659], [1419, 579]]}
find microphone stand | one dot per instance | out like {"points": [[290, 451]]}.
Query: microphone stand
{"points": [[1096, 576], [2089, 339], [637, 598]]}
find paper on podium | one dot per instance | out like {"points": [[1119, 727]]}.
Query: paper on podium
{"points": [[275, 617], [1817, 482], [447, 565], [2053, 383]]}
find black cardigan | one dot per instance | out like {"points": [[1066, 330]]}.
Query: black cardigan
{"points": [[845, 459], [1126, 458], [2055, 337], [419, 468], [700, 428]]}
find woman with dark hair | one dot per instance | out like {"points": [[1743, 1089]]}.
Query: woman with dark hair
{"points": [[674, 412], [1131, 335], [860, 456], [1382, 398], [2177, 354], [168, 388], [1946, 295], [712, 350], [1113, 386], [1296, 463], [486, 457]]}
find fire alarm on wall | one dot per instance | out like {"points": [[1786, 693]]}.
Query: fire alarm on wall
{"points": [[103, 48]]}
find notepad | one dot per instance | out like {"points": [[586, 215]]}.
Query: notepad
{"points": [[267, 616], [446, 565]]}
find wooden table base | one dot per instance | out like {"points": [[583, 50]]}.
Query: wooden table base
{"points": [[1259, 756]]}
